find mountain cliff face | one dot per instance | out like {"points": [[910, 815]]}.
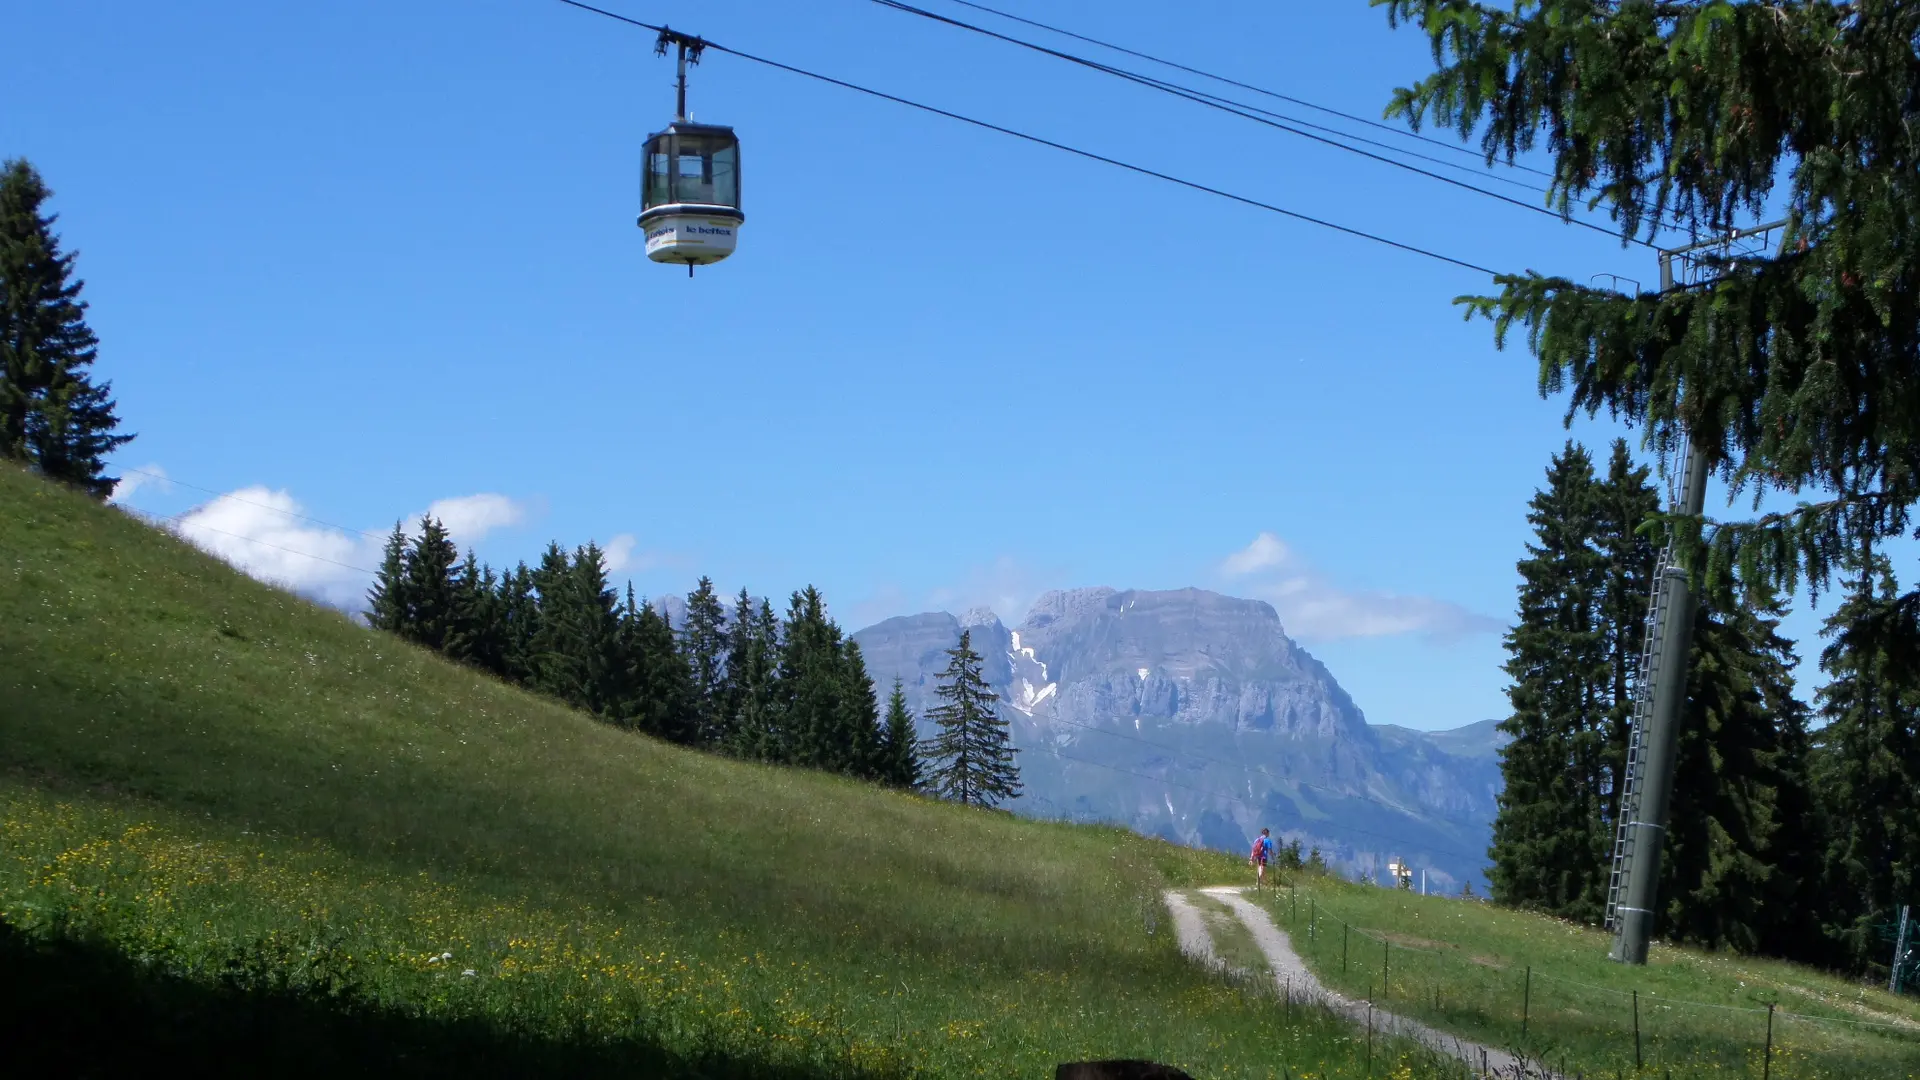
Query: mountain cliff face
{"points": [[1191, 715]]}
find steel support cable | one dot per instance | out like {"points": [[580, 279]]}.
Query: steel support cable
{"points": [[1246, 112], [219, 495], [1481, 172], [181, 529], [1275, 94], [1063, 147]]}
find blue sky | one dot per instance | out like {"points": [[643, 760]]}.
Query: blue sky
{"points": [[351, 261]]}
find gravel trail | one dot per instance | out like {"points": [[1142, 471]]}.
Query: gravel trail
{"points": [[1291, 977]]}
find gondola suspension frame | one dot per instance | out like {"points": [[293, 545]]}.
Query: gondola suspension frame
{"points": [[692, 218]]}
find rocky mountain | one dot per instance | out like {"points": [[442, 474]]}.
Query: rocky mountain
{"points": [[1193, 716]]}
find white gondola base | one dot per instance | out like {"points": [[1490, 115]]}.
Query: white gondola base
{"points": [[694, 236]]}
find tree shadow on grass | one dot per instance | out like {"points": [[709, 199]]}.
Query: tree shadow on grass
{"points": [[70, 1009]]}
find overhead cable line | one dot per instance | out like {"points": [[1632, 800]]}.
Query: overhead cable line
{"points": [[1063, 147], [218, 495], [1245, 112], [1275, 94], [180, 528], [1212, 98]]}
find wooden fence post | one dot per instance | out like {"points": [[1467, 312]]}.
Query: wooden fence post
{"points": [[1526, 1000], [1766, 1062]]}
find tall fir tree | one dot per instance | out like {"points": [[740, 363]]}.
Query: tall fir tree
{"points": [[519, 609], [387, 601], [900, 749], [1717, 875], [432, 588], [971, 758], [1793, 370], [657, 684], [862, 737], [52, 415], [1799, 894], [1867, 771], [576, 646], [747, 688], [811, 686], [476, 634], [703, 642], [1548, 833]]}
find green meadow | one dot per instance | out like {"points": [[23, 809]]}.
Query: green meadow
{"points": [[242, 833], [1545, 987]]}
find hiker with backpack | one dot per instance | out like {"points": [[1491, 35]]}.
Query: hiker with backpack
{"points": [[1262, 851]]}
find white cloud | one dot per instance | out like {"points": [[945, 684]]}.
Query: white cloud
{"points": [[619, 551], [469, 518], [134, 480], [267, 534], [1313, 608], [262, 532], [623, 553], [1266, 552]]}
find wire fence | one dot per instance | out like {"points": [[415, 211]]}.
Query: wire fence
{"points": [[1576, 1028]]}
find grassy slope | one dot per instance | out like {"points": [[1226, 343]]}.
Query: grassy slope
{"points": [[1474, 957], [206, 784]]}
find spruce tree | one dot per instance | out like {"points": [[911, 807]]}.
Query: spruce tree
{"points": [[900, 751], [970, 760], [861, 737], [1867, 774], [547, 587], [431, 566], [52, 416], [1793, 368], [1717, 875], [703, 642], [747, 688], [519, 610], [476, 635], [1799, 895], [576, 646], [1549, 838], [387, 601], [811, 686], [655, 679]]}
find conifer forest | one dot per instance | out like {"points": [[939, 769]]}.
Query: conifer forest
{"points": [[736, 679], [1793, 825]]}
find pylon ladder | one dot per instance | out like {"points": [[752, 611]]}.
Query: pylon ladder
{"points": [[1644, 682]]}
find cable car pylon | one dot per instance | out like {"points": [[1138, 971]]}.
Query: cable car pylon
{"points": [[1653, 741], [690, 177]]}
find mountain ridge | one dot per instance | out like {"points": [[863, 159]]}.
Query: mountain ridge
{"points": [[1192, 715]]}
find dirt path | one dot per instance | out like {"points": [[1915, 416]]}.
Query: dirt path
{"points": [[1291, 976]]}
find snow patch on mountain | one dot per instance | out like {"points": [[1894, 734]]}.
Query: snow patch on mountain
{"points": [[1030, 684]]}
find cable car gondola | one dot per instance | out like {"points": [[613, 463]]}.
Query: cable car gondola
{"points": [[690, 182]]}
